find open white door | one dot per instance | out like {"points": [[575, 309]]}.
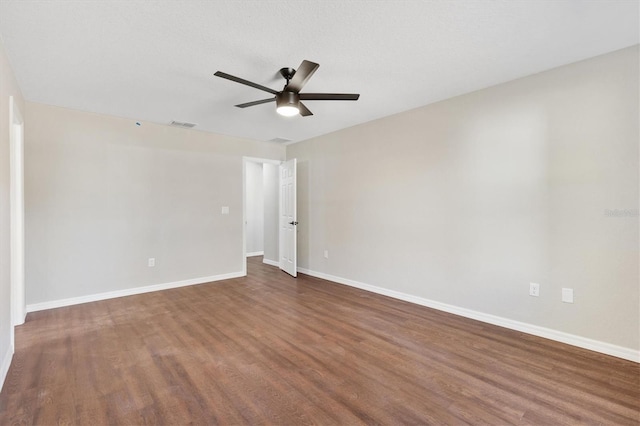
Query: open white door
{"points": [[288, 218]]}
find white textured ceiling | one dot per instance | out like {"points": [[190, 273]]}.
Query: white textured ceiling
{"points": [[154, 60]]}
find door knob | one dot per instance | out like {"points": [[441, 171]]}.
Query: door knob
{"points": [[293, 223]]}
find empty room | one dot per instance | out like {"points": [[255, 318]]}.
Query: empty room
{"points": [[319, 212]]}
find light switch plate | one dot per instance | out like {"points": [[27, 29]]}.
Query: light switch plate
{"points": [[225, 209], [567, 295]]}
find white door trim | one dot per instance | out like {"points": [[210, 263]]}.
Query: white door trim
{"points": [[16, 203]]}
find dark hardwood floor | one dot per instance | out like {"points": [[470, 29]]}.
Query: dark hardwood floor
{"points": [[270, 349]]}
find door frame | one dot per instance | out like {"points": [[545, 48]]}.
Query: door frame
{"points": [[246, 160], [16, 216]]}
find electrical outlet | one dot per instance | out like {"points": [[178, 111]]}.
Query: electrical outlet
{"points": [[534, 289], [326, 254], [151, 262], [567, 295]]}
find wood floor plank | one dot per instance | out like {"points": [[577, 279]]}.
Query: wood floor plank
{"points": [[271, 349]]}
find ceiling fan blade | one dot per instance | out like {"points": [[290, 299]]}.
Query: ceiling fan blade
{"points": [[243, 81], [302, 75], [329, 96], [304, 111], [248, 104]]}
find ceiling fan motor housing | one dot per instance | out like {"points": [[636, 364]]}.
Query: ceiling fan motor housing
{"points": [[288, 99]]}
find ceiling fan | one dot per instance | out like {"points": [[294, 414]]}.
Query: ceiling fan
{"points": [[288, 99]]}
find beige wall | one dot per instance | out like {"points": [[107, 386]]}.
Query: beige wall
{"points": [[467, 201], [103, 195], [271, 178], [8, 88]]}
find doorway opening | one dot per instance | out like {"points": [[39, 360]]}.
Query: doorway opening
{"points": [[260, 212]]}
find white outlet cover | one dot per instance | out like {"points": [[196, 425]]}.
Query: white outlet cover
{"points": [[152, 262], [534, 289]]}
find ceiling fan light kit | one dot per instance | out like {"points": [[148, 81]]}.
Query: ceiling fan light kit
{"points": [[288, 104], [288, 99]]}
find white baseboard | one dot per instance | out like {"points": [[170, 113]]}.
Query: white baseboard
{"points": [[271, 262], [4, 367], [129, 292], [255, 253], [548, 333]]}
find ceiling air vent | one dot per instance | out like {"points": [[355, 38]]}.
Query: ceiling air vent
{"points": [[182, 124], [280, 140]]}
